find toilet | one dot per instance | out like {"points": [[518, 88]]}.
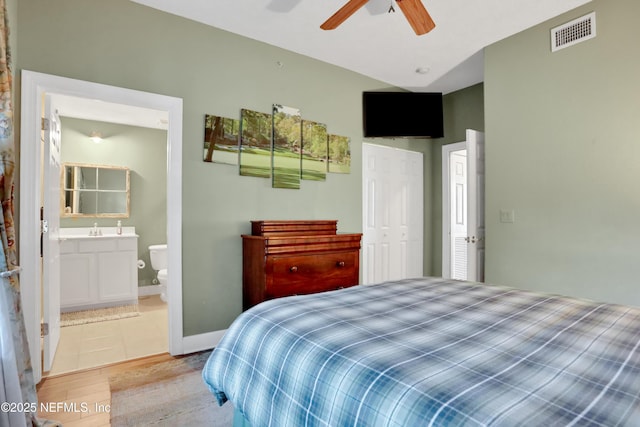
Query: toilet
{"points": [[158, 255]]}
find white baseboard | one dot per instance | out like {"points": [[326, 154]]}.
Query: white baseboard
{"points": [[201, 342], [144, 291]]}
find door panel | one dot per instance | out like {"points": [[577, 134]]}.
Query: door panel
{"points": [[50, 237], [475, 216], [458, 217]]}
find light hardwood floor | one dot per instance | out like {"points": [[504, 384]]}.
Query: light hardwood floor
{"points": [[83, 398], [75, 392]]}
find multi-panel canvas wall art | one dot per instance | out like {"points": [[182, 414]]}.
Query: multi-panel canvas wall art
{"points": [[287, 142], [314, 151], [221, 139], [255, 144], [339, 154], [280, 146]]}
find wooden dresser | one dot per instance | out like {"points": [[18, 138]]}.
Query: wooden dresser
{"points": [[283, 258]]}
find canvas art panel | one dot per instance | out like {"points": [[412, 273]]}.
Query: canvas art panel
{"points": [[221, 139], [314, 151], [339, 154], [255, 144], [287, 143]]}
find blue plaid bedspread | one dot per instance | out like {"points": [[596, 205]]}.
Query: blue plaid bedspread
{"points": [[430, 352]]}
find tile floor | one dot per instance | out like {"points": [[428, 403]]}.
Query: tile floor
{"points": [[101, 343]]}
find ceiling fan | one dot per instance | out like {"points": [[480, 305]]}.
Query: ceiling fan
{"points": [[413, 10]]}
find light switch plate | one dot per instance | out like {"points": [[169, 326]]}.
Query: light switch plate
{"points": [[507, 215]]}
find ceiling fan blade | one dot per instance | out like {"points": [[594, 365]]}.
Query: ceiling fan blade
{"points": [[417, 15], [342, 14]]}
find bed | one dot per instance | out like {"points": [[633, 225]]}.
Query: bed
{"points": [[431, 352]]}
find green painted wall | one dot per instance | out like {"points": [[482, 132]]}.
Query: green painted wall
{"points": [[144, 152], [124, 44], [562, 151]]}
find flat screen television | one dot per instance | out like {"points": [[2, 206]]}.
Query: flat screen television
{"points": [[402, 114]]}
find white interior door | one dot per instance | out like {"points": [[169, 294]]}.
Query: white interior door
{"points": [[458, 214], [411, 173], [475, 197], [463, 229], [392, 214], [50, 233]]}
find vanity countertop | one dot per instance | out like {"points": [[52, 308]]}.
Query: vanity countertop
{"points": [[105, 233]]}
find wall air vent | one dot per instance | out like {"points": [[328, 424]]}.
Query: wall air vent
{"points": [[576, 31]]}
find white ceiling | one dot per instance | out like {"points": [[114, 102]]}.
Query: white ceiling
{"points": [[97, 110], [372, 42], [376, 43]]}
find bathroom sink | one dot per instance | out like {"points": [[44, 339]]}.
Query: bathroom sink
{"points": [[103, 232]]}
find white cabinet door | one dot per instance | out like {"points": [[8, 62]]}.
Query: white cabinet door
{"points": [[99, 272], [115, 271], [77, 273]]}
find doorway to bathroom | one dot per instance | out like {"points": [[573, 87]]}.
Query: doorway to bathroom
{"points": [[34, 88], [110, 311]]}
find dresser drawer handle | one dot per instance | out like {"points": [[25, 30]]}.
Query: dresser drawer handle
{"points": [[340, 264], [293, 269]]}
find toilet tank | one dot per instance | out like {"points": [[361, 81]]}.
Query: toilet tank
{"points": [[158, 255]]}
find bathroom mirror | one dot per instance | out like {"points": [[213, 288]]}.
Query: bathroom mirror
{"points": [[94, 191]]}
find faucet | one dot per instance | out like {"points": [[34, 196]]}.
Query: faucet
{"points": [[95, 231]]}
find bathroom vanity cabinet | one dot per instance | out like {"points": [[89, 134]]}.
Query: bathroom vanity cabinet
{"points": [[98, 271]]}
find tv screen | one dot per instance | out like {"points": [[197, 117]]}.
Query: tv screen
{"points": [[402, 114]]}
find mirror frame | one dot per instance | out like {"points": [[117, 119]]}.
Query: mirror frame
{"points": [[63, 190]]}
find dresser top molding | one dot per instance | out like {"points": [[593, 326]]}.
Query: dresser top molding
{"points": [[294, 227]]}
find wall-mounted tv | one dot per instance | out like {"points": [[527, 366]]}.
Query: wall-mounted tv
{"points": [[402, 114]]}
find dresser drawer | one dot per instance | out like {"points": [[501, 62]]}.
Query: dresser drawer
{"points": [[304, 274]]}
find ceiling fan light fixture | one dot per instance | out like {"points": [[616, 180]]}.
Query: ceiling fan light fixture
{"points": [[96, 137]]}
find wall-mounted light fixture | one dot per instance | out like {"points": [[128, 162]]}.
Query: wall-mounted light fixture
{"points": [[96, 137]]}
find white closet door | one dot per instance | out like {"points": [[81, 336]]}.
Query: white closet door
{"points": [[392, 214]]}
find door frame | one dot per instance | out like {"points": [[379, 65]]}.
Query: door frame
{"points": [[446, 205], [34, 86], [474, 144]]}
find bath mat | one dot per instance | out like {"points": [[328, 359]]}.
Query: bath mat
{"points": [[98, 315], [167, 394]]}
